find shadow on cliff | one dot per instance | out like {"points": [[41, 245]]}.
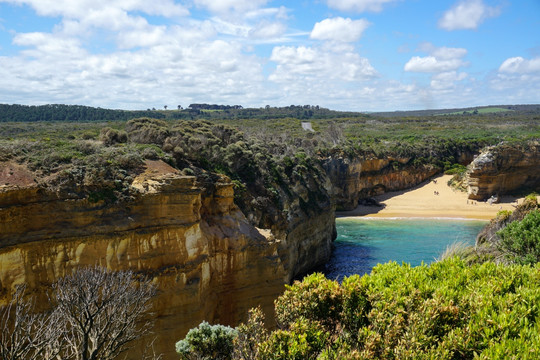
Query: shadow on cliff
{"points": [[368, 206]]}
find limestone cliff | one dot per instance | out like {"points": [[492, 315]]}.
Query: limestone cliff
{"points": [[502, 169], [206, 258], [357, 178]]}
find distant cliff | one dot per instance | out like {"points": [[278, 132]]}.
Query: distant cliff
{"points": [[358, 178], [504, 168]]}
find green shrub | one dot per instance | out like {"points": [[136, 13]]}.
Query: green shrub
{"points": [[111, 136], [315, 298], [520, 240], [250, 336], [207, 342], [447, 310], [304, 341], [147, 131]]}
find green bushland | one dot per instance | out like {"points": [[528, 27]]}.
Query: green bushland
{"points": [[447, 310], [265, 152]]}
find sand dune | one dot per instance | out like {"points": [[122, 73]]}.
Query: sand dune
{"points": [[422, 201]]}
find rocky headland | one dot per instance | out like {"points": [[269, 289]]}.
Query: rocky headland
{"points": [[504, 168]]}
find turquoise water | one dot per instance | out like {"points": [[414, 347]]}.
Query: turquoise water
{"points": [[363, 243]]}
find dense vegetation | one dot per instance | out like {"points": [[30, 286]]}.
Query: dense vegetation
{"points": [[265, 156], [78, 113], [447, 310]]}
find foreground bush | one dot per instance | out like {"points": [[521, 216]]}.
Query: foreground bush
{"points": [[447, 310], [520, 240], [207, 342], [444, 311]]}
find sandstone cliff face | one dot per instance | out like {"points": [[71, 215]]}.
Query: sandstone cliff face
{"points": [[355, 179], [503, 168], [208, 261]]}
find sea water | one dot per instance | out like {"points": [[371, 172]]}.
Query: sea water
{"points": [[363, 243]]}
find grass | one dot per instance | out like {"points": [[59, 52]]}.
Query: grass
{"points": [[483, 110]]}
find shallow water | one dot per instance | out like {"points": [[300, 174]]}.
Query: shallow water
{"points": [[363, 243]]}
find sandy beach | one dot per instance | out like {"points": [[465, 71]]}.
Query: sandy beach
{"points": [[423, 202]]}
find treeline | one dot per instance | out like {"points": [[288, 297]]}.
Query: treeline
{"points": [[79, 113], [214, 107], [58, 112], [237, 112]]}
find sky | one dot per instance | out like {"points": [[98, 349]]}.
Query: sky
{"points": [[356, 55]]}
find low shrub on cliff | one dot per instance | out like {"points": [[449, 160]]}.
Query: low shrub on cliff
{"points": [[207, 342], [506, 239], [520, 240], [447, 310]]}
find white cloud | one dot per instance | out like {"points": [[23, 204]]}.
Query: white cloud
{"points": [[320, 64], [447, 80], [467, 15], [442, 63], [358, 5], [518, 79], [430, 64], [440, 60], [279, 13], [267, 30], [519, 65], [339, 29], [81, 8], [446, 53], [229, 6]]}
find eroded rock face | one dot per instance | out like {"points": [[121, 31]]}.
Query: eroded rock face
{"points": [[502, 169], [207, 260], [354, 179]]}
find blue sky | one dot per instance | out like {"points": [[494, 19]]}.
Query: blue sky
{"points": [[360, 55]]}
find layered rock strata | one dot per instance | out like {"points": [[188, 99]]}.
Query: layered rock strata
{"points": [[502, 169], [358, 178], [206, 259]]}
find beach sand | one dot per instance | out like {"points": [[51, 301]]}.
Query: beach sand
{"points": [[422, 202]]}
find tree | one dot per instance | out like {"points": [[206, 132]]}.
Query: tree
{"points": [[26, 335], [96, 314], [104, 312]]}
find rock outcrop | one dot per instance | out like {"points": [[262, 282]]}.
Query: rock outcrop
{"points": [[205, 257], [358, 178], [502, 169]]}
